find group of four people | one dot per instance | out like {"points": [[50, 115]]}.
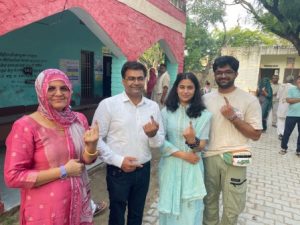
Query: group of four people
{"points": [[199, 139]]}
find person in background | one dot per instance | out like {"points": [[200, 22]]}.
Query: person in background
{"points": [[275, 87], [46, 153], [236, 118], [161, 87], [265, 95], [151, 82], [207, 87], [181, 183], [283, 105], [292, 118], [130, 125]]}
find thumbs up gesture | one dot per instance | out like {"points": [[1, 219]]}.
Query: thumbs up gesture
{"points": [[151, 127], [189, 133], [227, 110]]}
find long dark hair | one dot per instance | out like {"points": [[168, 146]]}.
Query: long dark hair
{"points": [[196, 105]]}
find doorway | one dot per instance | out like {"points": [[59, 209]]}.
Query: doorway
{"points": [[268, 73], [107, 61]]}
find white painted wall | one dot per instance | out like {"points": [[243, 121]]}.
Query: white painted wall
{"points": [[252, 59]]}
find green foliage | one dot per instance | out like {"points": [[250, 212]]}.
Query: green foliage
{"points": [[203, 43], [200, 47], [238, 37], [280, 17], [206, 12], [153, 56]]}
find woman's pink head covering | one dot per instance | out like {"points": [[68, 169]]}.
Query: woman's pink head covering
{"points": [[66, 117]]}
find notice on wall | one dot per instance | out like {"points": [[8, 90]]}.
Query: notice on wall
{"points": [[18, 72], [13, 65], [71, 68]]}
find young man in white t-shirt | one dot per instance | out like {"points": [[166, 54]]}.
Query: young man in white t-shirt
{"points": [[236, 119]]}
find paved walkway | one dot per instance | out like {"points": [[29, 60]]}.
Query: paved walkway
{"points": [[273, 185]]}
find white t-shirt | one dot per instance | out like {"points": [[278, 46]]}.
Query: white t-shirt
{"points": [[223, 134]]}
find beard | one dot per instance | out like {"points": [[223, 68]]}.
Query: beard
{"points": [[225, 85]]}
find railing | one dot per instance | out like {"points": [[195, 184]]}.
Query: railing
{"points": [[180, 4]]}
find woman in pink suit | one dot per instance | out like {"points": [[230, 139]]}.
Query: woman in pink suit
{"points": [[151, 82], [46, 153]]}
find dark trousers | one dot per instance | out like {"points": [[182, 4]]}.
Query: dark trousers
{"points": [[127, 189], [290, 123]]}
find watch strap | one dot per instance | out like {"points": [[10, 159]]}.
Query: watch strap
{"points": [[63, 172]]}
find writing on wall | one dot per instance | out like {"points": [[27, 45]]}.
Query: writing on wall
{"points": [[17, 73]]}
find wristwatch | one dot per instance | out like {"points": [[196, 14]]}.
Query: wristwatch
{"points": [[63, 172], [194, 145]]}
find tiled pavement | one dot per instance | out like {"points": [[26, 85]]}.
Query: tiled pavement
{"points": [[273, 196]]}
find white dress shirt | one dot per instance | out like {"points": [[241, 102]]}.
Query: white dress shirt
{"points": [[121, 129]]}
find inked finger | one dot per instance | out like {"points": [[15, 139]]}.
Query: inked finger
{"points": [[226, 101], [152, 119]]}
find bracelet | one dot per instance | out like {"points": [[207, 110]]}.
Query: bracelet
{"points": [[194, 145], [91, 154]]}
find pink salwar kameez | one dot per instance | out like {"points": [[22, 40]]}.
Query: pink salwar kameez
{"points": [[32, 147]]}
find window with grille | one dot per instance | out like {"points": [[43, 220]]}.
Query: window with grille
{"points": [[87, 74]]}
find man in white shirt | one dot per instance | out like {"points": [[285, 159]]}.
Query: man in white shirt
{"points": [[161, 87], [130, 125], [236, 118], [275, 86], [283, 105]]}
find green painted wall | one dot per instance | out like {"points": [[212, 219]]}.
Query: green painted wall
{"points": [[116, 77], [172, 69], [54, 42]]}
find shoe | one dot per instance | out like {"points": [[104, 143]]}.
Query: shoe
{"points": [[280, 137], [274, 125], [298, 154], [283, 151], [100, 207]]}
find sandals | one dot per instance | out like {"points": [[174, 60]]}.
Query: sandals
{"points": [[283, 151], [100, 207]]}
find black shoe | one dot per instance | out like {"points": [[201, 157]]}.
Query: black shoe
{"points": [[283, 151], [274, 125], [280, 137], [298, 154]]}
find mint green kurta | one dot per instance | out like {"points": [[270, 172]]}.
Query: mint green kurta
{"points": [[181, 184]]}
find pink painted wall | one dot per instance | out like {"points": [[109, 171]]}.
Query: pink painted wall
{"points": [[130, 30], [169, 8]]}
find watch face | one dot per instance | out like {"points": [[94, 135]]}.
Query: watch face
{"points": [[63, 176]]}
